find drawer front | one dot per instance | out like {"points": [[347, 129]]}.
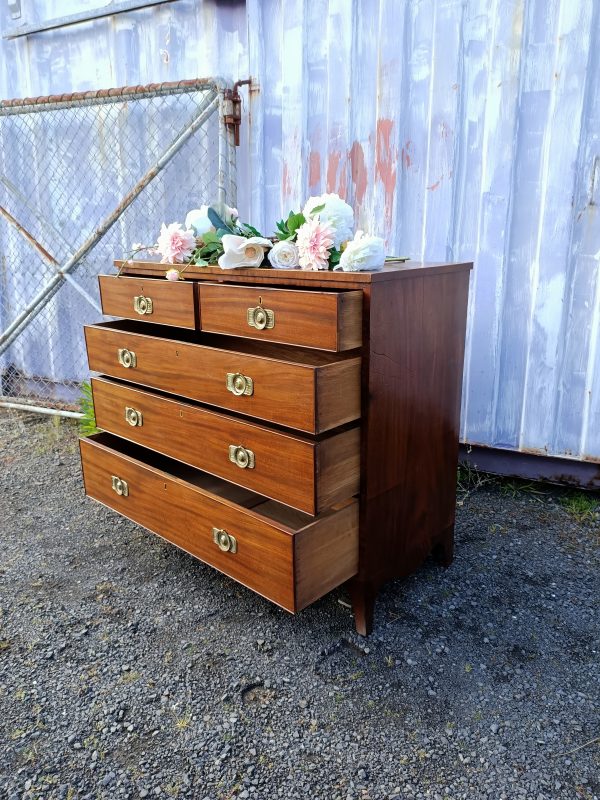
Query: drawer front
{"points": [[325, 320], [147, 300], [307, 398], [301, 473], [291, 568]]}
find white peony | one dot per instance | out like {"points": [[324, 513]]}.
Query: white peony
{"points": [[242, 252], [198, 220], [336, 212], [363, 253], [284, 255]]}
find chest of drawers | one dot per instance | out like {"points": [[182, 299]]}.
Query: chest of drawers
{"points": [[295, 430]]}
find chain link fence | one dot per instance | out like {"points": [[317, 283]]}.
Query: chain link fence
{"points": [[82, 178]]}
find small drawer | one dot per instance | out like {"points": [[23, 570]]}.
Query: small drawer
{"points": [[302, 389], [324, 320], [284, 555], [304, 473], [149, 300]]}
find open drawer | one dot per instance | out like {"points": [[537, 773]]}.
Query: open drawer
{"points": [[282, 554]]}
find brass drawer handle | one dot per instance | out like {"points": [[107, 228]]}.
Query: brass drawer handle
{"points": [[133, 416], [224, 541], [127, 358], [142, 305], [261, 318], [239, 384], [119, 486], [241, 456]]}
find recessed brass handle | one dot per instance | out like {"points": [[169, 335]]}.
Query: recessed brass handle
{"points": [[133, 416], [142, 305], [261, 318], [119, 486], [224, 541], [239, 384], [127, 358], [241, 456]]}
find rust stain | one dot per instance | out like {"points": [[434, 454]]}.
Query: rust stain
{"points": [[434, 186], [333, 162], [314, 171], [407, 155], [359, 172], [385, 169]]}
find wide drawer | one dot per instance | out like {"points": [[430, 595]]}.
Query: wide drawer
{"points": [[283, 555], [302, 389], [307, 474], [149, 300], [325, 320]]}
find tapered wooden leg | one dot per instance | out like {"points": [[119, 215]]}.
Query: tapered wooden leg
{"points": [[443, 550], [363, 606]]}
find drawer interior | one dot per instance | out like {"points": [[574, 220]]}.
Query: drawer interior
{"points": [[276, 512]]}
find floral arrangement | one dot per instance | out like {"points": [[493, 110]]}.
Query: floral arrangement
{"points": [[320, 237]]}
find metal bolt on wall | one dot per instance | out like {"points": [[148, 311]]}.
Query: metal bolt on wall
{"points": [[82, 178]]}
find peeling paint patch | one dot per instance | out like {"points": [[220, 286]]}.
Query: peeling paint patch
{"points": [[359, 172], [407, 154], [385, 165], [314, 172], [333, 162]]}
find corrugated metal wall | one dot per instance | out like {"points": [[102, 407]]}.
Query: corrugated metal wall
{"points": [[459, 129]]}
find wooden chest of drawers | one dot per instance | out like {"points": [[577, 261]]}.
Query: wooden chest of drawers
{"points": [[295, 430]]}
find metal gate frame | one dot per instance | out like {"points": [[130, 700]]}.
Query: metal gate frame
{"points": [[219, 98]]}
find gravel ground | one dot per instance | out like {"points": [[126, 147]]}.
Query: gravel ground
{"points": [[130, 670]]}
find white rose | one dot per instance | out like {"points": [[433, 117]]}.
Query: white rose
{"points": [[198, 220], [336, 212], [284, 255], [363, 253], [242, 252]]}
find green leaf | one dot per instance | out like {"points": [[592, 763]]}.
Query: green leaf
{"points": [[252, 230], [334, 257], [294, 222], [216, 220], [317, 209]]}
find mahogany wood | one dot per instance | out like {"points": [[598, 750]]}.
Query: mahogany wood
{"points": [[412, 392], [324, 320], [172, 303], [295, 277], [292, 566], [412, 328], [301, 472], [307, 390]]}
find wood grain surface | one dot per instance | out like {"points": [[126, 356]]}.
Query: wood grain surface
{"points": [[172, 303], [324, 320], [290, 566], [304, 390], [412, 377], [285, 464]]}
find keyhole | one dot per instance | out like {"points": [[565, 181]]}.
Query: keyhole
{"points": [[259, 300]]}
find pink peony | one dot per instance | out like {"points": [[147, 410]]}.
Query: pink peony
{"points": [[315, 239], [172, 274], [175, 244]]}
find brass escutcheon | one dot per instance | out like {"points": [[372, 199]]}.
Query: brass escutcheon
{"points": [[224, 541], [119, 486], [261, 318], [241, 456], [133, 416], [239, 384], [142, 305], [127, 358]]}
